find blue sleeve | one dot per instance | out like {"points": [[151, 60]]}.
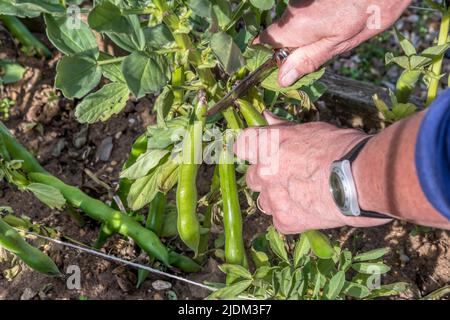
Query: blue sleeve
{"points": [[432, 154]]}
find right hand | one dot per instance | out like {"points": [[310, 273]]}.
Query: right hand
{"points": [[321, 29]]}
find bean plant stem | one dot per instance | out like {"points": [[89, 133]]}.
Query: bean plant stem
{"points": [[26, 38], [110, 61], [437, 65]]}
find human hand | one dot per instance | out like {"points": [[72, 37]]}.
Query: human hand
{"points": [[290, 168], [322, 29]]}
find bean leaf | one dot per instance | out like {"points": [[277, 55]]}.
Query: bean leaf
{"points": [[106, 16], [10, 72], [335, 286], [355, 290], [371, 255], [48, 195], [143, 164], [133, 40], [271, 82], [71, 36], [163, 104], [143, 73], [276, 243], [263, 4], [371, 268], [231, 291], [302, 248], [77, 75], [142, 191], [157, 36], [228, 53], [235, 270], [102, 104]]}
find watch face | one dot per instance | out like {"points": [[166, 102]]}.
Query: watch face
{"points": [[337, 189]]}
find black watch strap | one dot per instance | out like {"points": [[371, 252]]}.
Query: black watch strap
{"points": [[351, 156]]}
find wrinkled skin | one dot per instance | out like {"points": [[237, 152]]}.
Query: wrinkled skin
{"points": [[297, 194], [321, 29]]}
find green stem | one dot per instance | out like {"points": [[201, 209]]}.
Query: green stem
{"points": [[436, 67], [26, 38], [252, 116], [110, 61]]}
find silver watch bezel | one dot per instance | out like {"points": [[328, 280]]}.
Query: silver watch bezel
{"points": [[343, 170]]}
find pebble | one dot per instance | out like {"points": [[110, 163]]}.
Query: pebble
{"points": [[160, 285], [28, 294], [105, 149]]}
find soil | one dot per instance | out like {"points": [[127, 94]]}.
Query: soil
{"points": [[44, 122]]}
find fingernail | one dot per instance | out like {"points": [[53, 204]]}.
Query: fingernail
{"points": [[289, 77]]}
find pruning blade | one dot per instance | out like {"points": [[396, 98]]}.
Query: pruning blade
{"points": [[252, 79]]}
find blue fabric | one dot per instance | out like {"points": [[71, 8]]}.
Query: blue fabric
{"points": [[432, 154]]}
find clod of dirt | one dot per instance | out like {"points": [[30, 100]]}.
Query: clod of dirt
{"points": [[160, 285], [105, 149]]}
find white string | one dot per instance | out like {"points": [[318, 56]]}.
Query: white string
{"points": [[120, 260]]}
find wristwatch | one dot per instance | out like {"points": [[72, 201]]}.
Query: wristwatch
{"points": [[343, 189]]}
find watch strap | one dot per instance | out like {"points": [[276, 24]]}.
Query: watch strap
{"points": [[351, 156]]}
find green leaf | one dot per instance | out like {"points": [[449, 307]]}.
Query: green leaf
{"points": [[142, 191], [345, 260], [235, 270], [163, 104], [133, 40], [162, 137], [76, 76], [202, 8], [371, 255], [256, 56], [403, 110], [143, 73], [112, 71], [263, 272], [168, 176], [276, 243], [355, 290], [320, 244], [402, 61], [102, 104], [231, 291], [169, 226], [222, 12], [371, 268], [259, 258], [107, 17], [10, 72], [157, 36], [271, 82], [48, 195], [143, 164], [228, 53], [263, 4], [389, 290], [407, 46], [435, 51], [285, 280], [302, 248], [71, 36], [335, 286], [30, 8]]}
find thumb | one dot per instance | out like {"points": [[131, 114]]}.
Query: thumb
{"points": [[305, 60]]}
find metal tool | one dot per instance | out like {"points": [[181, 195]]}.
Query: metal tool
{"points": [[255, 77]]}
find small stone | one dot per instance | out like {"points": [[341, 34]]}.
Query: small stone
{"points": [[131, 121], [105, 149], [28, 294], [158, 296], [160, 285], [59, 147], [80, 138]]}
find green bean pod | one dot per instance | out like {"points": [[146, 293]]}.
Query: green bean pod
{"points": [[252, 116], [11, 240], [155, 219], [232, 217], [186, 197], [115, 220]]}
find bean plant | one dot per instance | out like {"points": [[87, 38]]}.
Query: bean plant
{"points": [[188, 54]]}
